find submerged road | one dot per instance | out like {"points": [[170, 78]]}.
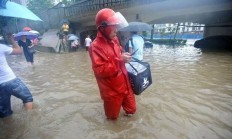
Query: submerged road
{"points": [[190, 98]]}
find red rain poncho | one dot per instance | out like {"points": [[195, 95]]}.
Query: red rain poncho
{"points": [[111, 76]]}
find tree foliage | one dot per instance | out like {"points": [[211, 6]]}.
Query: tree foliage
{"points": [[38, 5], [69, 2]]}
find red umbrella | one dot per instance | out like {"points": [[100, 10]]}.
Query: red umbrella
{"points": [[27, 29]]}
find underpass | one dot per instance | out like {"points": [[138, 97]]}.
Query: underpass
{"points": [[215, 14]]}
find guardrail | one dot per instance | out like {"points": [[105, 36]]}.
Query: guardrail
{"points": [[91, 6]]}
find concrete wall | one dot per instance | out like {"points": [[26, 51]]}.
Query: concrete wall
{"points": [[54, 17], [51, 18]]}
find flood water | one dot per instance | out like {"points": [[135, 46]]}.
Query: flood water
{"points": [[190, 98]]}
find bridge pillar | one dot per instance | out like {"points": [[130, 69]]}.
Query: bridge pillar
{"points": [[212, 30]]}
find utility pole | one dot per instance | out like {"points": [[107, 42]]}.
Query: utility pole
{"points": [[176, 30], [152, 32]]}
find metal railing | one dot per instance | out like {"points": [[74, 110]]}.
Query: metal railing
{"points": [[87, 7]]}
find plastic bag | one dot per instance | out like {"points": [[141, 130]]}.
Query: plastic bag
{"points": [[31, 50]]}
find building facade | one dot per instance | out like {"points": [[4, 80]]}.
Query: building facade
{"points": [[187, 27]]}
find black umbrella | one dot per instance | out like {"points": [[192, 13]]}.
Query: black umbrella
{"points": [[137, 26]]}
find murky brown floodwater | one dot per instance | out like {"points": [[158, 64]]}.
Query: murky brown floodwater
{"points": [[191, 98]]}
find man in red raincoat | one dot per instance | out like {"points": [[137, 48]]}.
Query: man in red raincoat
{"points": [[108, 63]]}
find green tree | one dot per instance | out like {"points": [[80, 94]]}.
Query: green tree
{"points": [[39, 5], [70, 2]]}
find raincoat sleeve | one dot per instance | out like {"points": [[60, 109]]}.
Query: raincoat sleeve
{"points": [[103, 65]]}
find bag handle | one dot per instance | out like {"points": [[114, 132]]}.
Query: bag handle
{"points": [[139, 61], [133, 67], [136, 60]]}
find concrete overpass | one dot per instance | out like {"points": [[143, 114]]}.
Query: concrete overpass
{"points": [[209, 12], [215, 14]]}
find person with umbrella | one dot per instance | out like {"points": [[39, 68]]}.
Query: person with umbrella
{"points": [[74, 42], [9, 83], [108, 64], [12, 9], [34, 41], [136, 43], [74, 45], [28, 48]]}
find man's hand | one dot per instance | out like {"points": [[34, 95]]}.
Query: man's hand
{"points": [[10, 38], [126, 57], [16, 47]]}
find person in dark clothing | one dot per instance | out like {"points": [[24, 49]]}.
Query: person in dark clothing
{"points": [[26, 43]]}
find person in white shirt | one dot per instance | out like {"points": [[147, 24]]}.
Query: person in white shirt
{"points": [[88, 41], [136, 46], [9, 83]]}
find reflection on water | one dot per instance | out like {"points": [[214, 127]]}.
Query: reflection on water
{"points": [[190, 98]]}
